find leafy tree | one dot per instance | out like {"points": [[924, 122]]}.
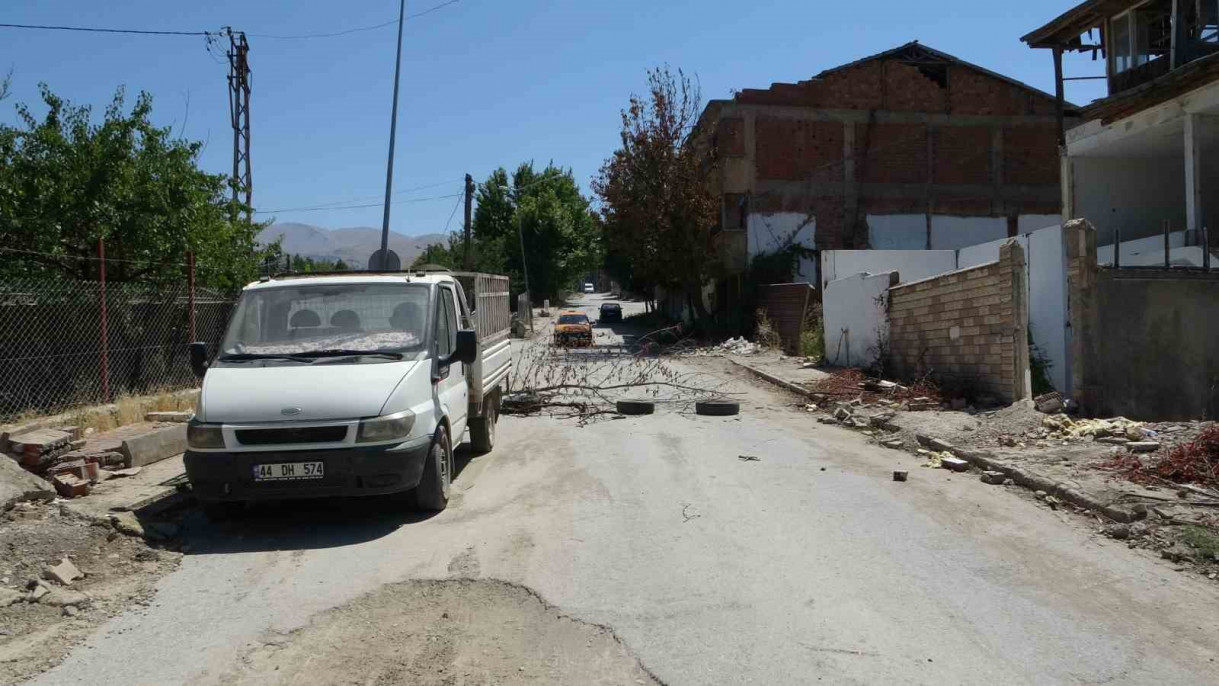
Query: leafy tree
{"points": [[560, 231], [656, 202], [66, 182]]}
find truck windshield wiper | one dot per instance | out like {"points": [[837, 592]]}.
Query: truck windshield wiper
{"points": [[246, 357], [340, 352]]}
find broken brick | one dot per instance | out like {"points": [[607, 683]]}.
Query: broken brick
{"points": [[70, 485], [65, 572]]}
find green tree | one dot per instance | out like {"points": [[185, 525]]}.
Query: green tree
{"points": [[656, 202], [547, 211], [66, 182]]}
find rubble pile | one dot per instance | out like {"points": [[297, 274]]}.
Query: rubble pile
{"points": [[1192, 462], [848, 384], [738, 346], [61, 456]]}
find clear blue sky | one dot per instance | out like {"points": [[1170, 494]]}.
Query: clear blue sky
{"points": [[485, 83]]}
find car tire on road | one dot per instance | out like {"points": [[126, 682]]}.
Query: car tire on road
{"points": [[717, 408], [635, 407], [482, 429], [432, 493]]}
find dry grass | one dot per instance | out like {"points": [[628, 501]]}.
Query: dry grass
{"points": [[123, 411]]}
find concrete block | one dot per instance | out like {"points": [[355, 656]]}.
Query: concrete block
{"points": [[933, 443], [65, 572], [1143, 446], [154, 446], [994, 478], [18, 485], [955, 464], [175, 417]]}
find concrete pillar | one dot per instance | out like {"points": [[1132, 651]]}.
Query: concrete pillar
{"points": [[1066, 178], [1194, 211]]}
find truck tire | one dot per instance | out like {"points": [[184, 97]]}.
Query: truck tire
{"points": [[635, 407], [482, 429], [717, 408], [432, 493]]}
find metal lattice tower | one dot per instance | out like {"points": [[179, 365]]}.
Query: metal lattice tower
{"points": [[239, 111]]}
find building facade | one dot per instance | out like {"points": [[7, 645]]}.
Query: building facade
{"points": [[908, 149], [1144, 160]]}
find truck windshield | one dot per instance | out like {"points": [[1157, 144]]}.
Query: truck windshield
{"points": [[297, 320]]}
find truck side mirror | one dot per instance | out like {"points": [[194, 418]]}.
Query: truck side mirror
{"points": [[198, 358], [467, 347]]}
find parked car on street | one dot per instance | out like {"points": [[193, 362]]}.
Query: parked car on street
{"points": [[348, 385], [610, 312], [573, 328]]}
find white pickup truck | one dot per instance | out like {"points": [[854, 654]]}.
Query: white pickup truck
{"points": [[348, 384]]}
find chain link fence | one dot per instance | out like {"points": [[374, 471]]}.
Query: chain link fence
{"points": [[68, 343]]}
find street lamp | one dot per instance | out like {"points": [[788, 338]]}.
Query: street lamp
{"points": [[524, 266]]}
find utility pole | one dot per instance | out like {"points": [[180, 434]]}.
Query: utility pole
{"points": [[239, 112], [466, 262], [393, 130], [525, 268]]}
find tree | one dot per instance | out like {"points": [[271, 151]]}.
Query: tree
{"points": [[547, 210], [656, 201], [66, 182]]}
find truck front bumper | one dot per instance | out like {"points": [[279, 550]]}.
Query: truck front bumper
{"points": [[375, 470]]}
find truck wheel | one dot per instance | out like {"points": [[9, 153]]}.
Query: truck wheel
{"points": [[717, 408], [634, 407], [482, 429], [432, 493]]}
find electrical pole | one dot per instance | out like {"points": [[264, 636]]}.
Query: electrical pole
{"points": [[393, 130], [525, 268], [469, 211], [239, 112]]}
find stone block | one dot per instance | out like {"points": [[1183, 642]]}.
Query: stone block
{"points": [[18, 485], [154, 446], [955, 464]]}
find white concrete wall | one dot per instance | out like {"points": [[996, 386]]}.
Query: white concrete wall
{"points": [[897, 231], [1134, 195], [952, 233], [856, 317], [1028, 223], [911, 265], [769, 233]]}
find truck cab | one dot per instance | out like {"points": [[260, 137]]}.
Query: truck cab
{"points": [[348, 385]]}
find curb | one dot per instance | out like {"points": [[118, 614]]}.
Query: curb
{"points": [[1036, 482], [798, 390], [985, 461]]}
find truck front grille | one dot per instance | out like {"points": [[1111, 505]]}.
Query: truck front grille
{"points": [[288, 436]]}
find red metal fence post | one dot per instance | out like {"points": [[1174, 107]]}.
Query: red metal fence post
{"points": [[105, 343], [190, 284]]}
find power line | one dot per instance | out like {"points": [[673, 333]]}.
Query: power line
{"points": [[356, 207], [147, 32], [338, 203], [335, 34], [90, 29], [452, 214]]}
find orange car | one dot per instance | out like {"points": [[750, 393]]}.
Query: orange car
{"points": [[573, 328]]}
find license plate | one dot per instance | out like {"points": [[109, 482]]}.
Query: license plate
{"points": [[289, 471]]}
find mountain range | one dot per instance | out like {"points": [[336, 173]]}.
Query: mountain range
{"points": [[353, 245]]}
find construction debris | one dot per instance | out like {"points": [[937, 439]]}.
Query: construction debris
{"points": [[900, 475], [993, 477], [739, 346], [63, 573]]}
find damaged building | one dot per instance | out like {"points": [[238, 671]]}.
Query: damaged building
{"points": [[1143, 160], [909, 149]]}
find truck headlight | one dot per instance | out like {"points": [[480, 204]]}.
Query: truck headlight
{"points": [[387, 428], [204, 436]]}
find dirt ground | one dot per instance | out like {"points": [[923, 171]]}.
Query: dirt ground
{"points": [[120, 571], [460, 631]]}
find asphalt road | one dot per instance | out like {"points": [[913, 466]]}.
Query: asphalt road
{"points": [[807, 565]]}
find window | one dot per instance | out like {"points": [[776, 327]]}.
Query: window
{"points": [[446, 332], [1119, 41], [305, 318]]}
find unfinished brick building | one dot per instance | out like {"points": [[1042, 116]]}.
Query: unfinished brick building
{"points": [[908, 149]]}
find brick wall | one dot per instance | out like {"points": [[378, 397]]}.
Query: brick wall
{"points": [[966, 329]]}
